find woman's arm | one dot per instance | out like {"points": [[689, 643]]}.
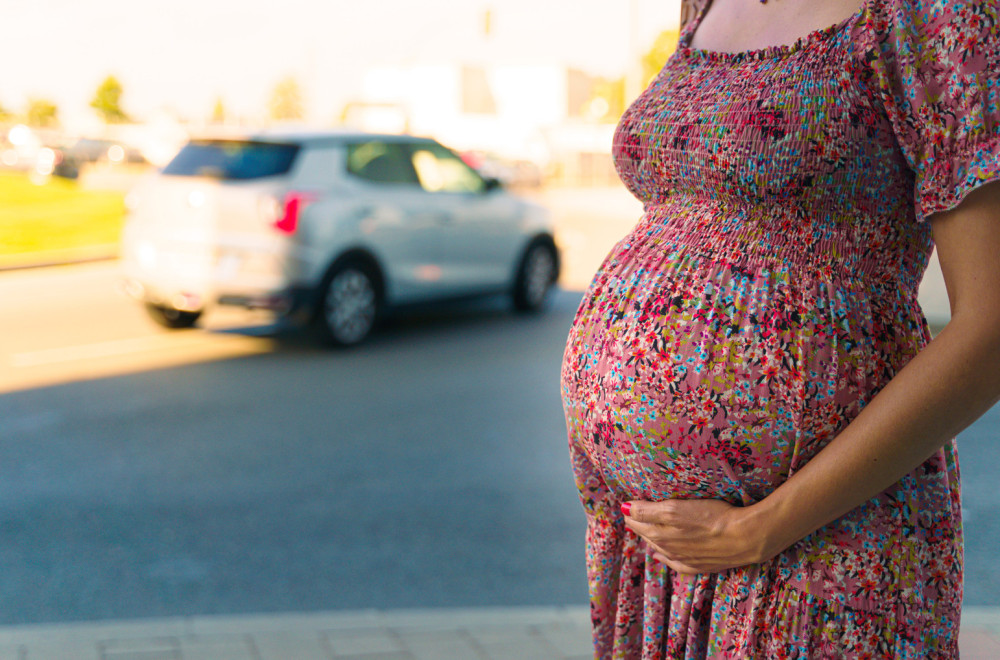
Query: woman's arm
{"points": [[943, 389]]}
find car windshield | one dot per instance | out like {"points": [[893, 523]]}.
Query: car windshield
{"points": [[229, 159]]}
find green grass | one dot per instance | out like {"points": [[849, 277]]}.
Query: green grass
{"points": [[55, 216]]}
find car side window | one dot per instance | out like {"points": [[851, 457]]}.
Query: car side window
{"points": [[440, 170], [381, 162]]}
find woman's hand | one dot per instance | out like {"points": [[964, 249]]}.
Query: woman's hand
{"points": [[700, 536]]}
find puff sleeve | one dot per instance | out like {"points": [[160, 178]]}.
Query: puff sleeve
{"points": [[937, 65]]}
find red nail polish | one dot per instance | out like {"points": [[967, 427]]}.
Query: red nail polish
{"points": [[626, 508]]}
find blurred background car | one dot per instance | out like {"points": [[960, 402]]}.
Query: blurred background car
{"points": [[332, 227]]}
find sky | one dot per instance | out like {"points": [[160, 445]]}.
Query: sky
{"points": [[180, 56]]}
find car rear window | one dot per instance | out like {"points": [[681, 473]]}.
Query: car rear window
{"points": [[231, 159]]}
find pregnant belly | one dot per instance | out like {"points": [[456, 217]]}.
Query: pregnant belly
{"points": [[690, 379]]}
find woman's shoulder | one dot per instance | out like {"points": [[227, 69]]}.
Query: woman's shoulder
{"points": [[933, 14], [929, 31]]}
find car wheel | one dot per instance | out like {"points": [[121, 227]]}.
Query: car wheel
{"points": [[349, 305], [172, 318], [535, 276]]}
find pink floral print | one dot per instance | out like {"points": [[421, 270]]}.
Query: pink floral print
{"points": [[767, 293]]}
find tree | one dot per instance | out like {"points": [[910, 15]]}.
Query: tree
{"points": [[286, 101], [654, 58], [107, 101], [219, 111], [42, 113]]}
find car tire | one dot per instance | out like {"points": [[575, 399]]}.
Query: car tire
{"points": [[349, 304], [536, 274], [172, 318]]}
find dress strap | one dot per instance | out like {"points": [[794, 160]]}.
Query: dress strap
{"points": [[692, 13]]}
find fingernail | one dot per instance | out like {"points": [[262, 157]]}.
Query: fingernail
{"points": [[626, 508]]}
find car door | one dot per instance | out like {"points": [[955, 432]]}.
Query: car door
{"points": [[394, 219], [481, 231]]}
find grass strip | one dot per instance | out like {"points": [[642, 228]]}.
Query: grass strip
{"points": [[56, 216]]}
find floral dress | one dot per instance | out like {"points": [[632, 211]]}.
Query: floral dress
{"points": [[766, 295]]}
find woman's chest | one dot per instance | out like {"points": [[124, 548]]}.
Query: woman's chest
{"points": [[779, 123], [738, 25]]}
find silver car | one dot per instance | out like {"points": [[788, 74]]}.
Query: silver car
{"points": [[332, 227]]}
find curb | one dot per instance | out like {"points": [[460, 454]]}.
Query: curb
{"points": [[52, 258]]}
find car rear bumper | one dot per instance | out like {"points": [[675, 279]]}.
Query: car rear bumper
{"points": [[284, 302], [186, 299]]}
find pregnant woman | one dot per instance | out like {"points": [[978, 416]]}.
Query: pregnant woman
{"points": [[760, 425]]}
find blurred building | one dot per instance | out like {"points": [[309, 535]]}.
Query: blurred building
{"points": [[514, 113]]}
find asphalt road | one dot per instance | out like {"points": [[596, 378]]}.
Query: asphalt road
{"points": [[427, 469], [241, 469]]}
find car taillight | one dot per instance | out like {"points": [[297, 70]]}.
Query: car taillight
{"points": [[295, 203]]}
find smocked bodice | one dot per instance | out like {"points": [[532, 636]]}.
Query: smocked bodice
{"points": [[788, 148]]}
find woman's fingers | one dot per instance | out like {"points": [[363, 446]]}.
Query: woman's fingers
{"points": [[648, 512], [657, 523], [651, 520], [652, 533], [693, 536]]}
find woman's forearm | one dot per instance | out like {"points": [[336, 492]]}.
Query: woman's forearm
{"points": [[943, 389]]}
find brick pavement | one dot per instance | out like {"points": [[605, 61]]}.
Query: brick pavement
{"points": [[475, 634]]}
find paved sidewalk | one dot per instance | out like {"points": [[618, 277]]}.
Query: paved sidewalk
{"points": [[523, 633], [476, 634]]}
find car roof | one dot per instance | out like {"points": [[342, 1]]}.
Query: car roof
{"points": [[312, 137]]}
